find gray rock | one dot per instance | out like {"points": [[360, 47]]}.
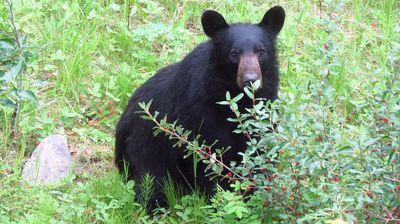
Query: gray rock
{"points": [[49, 163]]}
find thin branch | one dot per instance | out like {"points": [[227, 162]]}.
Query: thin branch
{"points": [[129, 15], [391, 179], [240, 122], [12, 20], [16, 114], [320, 8], [186, 141], [386, 220]]}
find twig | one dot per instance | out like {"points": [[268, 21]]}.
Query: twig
{"points": [[12, 20], [16, 114], [186, 141], [320, 8], [386, 220], [391, 179], [129, 15], [240, 121]]}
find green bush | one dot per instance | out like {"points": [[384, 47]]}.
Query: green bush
{"points": [[300, 164], [306, 160]]}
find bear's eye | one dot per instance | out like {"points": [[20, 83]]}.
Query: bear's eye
{"points": [[234, 53], [261, 51]]}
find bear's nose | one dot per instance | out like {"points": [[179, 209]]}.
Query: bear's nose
{"points": [[248, 78]]}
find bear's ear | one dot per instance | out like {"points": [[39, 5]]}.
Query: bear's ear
{"points": [[273, 19], [212, 22]]}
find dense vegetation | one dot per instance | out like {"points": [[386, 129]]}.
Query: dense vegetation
{"points": [[75, 64]]}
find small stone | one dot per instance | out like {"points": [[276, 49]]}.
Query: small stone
{"points": [[49, 163]]}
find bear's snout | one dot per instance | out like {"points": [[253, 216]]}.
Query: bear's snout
{"points": [[249, 70], [248, 78]]}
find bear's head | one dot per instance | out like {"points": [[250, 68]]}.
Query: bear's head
{"points": [[245, 53]]}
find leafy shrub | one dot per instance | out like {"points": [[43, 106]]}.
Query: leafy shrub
{"points": [[305, 161]]}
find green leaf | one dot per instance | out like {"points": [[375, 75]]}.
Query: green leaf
{"points": [[92, 14], [256, 85], [6, 43], [7, 103], [239, 214], [248, 92], [319, 127], [234, 107], [40, 83], [27, 95], [392, 157], [314, 165], [23, 95], [223, 103], [238, 97], [336, 221], [370, 141], [6, 48], [228, 96], [14, 71]]}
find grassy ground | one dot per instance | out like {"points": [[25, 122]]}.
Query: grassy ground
{"points": [[96, 53]]}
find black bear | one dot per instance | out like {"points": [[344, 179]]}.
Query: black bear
{"points": [[188, 91]]}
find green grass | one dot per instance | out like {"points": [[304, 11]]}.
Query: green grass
{"points": [[93, 62], [73, 201]]}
